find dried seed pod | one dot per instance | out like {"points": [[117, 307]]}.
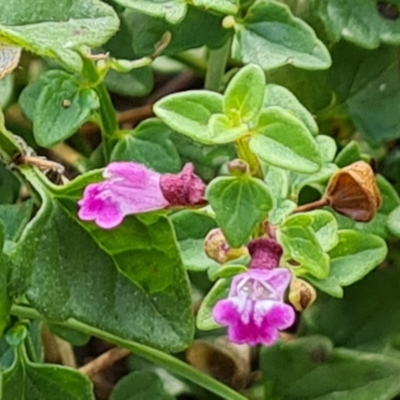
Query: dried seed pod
{"points": [[218, 249], [353, 192], [301, 294]]}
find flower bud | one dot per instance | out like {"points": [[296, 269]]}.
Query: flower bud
{"points": [[352, 191], [218, 249], [238, 167], [228, 22], [301, 294]]}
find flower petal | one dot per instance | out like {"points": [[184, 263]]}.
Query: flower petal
{"points": [[279, 316], [225, 312], [279, 279]]}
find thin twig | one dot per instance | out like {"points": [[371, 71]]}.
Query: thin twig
{"points": [[104, 361]]}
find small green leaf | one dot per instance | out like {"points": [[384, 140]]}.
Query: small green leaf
{"points": [[189, 112], [27, 380], [314, 370], [329, 285], [301, 248], [221, 6], [219, 291], [136, 83], [277, 181], [271, 36], [222, 129], [327, 147], [171, 10], [325, 228], [149, 144], [281, 210], [147, 31], [284, 141], [349, 154], [140, 385], [276, 95], [191, 228], [361, 22], [240, 203], [225, 271], [393, 222], [245, 93], [356, 254], [6, 90], [58, 29], [58, 106]]}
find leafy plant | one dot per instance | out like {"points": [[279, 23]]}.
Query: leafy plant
{"points": [[248, 197]]}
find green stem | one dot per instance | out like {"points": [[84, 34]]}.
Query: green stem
{"points": [[217, 60], [9, 147], [164, 360], [109, 123], [244, 152]]}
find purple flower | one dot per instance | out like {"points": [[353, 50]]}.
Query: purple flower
{"points": [[265, 253], [131, 188], [254, 310]]}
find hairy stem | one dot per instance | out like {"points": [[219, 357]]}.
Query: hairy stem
{"points": [[166, 361]]}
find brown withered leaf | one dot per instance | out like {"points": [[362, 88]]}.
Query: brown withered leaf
{"points": [[225, 361], [352, 191]]}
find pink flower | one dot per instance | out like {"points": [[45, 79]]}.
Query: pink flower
{"points": [[254, 310], [131, 188]]}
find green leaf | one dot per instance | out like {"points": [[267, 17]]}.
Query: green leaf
{"points": [[191, 228], [368, 80], [140, 385], [5, 298], [313, 370], [356, 254], [189, 112], [327, 147], [276, 95], [135, 83], [219, 291], [58, 106], [348, 155], [223, 130], [271, 36], [14, 217], [27, 380], [147, 31], [367, 318], [362, 22], [240, 204], [245, 93], [57, 30], [329, 285], [149, 302], [393, 222], [284, 141], [171, 10], [221, 6], [6, 90], [325, 228], [277, 181], [301, 248], [149, 144]]}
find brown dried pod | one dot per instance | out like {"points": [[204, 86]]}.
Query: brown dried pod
{"points": [[218, 249], [301, 294], [352, 191], [225, 361]]}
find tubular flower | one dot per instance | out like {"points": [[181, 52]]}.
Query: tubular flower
{"points": [[254, 310], [131, 188]]}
